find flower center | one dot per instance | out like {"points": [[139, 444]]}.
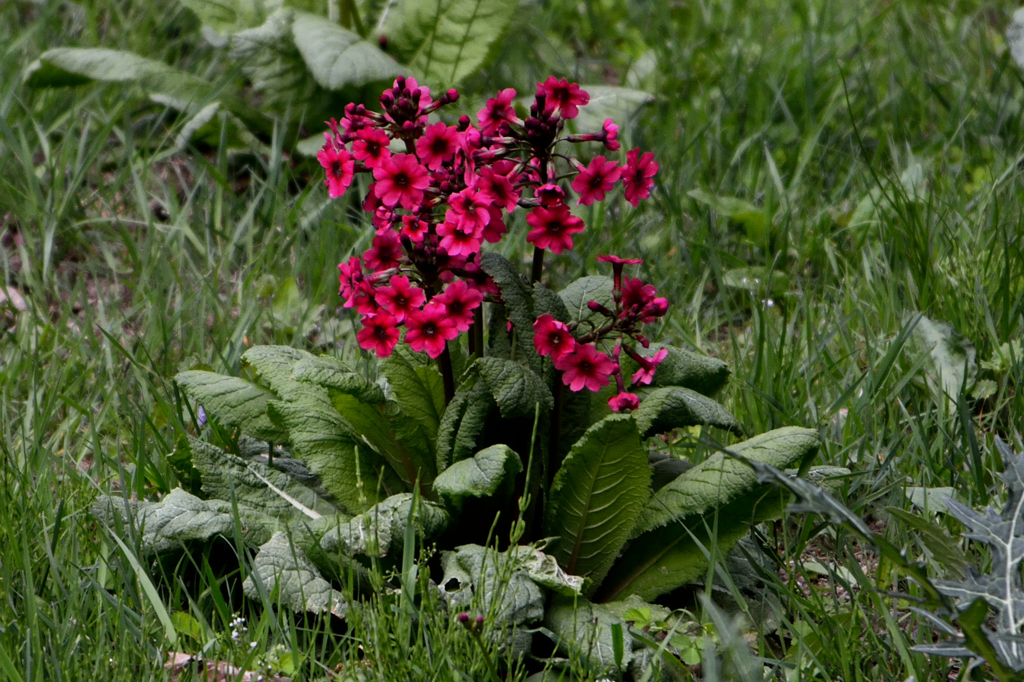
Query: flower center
{"points": [[401, 179], [336, 168], [429, 329]]}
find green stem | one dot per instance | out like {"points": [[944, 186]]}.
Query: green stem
{"points": [[538, 264]]}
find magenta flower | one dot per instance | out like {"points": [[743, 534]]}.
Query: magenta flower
{"points": [[498, 189], [400, 298], [565, 95], [624, 402], [414, 228], [551, 337], [550, 195], [459, 300], [496, 111], [351, 274], [429, 329], [638, 176], [645, 374], [401, 180], [553, 227], [611, 135], [455, 241], [595, 180], [585, 367], [437, 145], [385, 252], [615, 260], [340, 168], [379, 334], [495, 226], [371, 147], [470, 210]]}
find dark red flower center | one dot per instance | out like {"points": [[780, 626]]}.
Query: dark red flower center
{"points": [[336, 168], [456, 308], [381, 332], [429, 329], [400, 179], [439, 145], [585, 366]]}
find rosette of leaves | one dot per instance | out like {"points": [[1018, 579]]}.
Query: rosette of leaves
{"points": [[331, 469], [304, 66]]}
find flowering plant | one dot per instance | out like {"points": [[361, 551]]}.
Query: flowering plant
{"points": [[479, 426]]}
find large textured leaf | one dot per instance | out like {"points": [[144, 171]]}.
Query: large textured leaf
{"points": [[287, 575], [181, 517], [710, 506], [380, 530], [254, 484], [463, 422], [700, 373], [608, 101], [69, 66], [355, 475], [445, 41], [721, 479], [339, 58], [268, 56], [481, 475], [597, 496], [518, 304], [331, 373], [417, 388], [275, 366], [229, 16], [547, 302], [233, 402], [516, 388], [664, 409], [501, 582], [578, 294], [951, 366], [584, 630]]}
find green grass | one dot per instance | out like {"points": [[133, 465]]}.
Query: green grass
{"points": [[801, 108]]}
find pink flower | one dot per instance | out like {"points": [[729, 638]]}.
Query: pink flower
{"points": [[564, 95], [645, 374], [624, 402], [550, 194], [636, 295], [611, 135], [429, 329], [414, 228], [400, 180], [552, 227], [437, 145], [495, 226], [496, 111], [400, 298], [459, 300], [379, 334], [349, 278], [596, 179], [385, 252], [615, 260], [371, 147], [638, 176], [498, 189], [339, 166], [365, 299], [551, 337], [455, 241], [585, 367], [470, 210]]}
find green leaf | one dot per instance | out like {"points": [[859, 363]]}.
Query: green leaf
{"points": [[228, 16], [70, 66], [664, 409], [288, 575], [752, 219], [577, 295], [481, 475], [268, 56], [609, 101], [544, 570], [379, 530], [720, 479], [254, 484], [275, 366], [331, 373], [515, 388], [180, 518], [518, 299], [418, 389], [351, 472], [944, 548], [710, 507], [500, 579], [463, 422], [700, 373], [951, 365], [446, 41], [547, 302], [338, 58], [758, 280], [584, 630], [597, 496], [233, 402]]}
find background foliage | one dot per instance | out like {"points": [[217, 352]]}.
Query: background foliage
{"points": [[829, 172]]}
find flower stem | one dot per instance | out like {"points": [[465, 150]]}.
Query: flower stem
{"points": [[555, 430], [444, 365], [538, 264]]}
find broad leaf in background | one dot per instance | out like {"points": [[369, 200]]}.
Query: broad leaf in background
{"points": [[597, 496], [380, 530], [268, 56], [518, 298], [230, 16], [501, 581], [664, 409], [739, 211], [181, 517], [481, 475], [1015, 37], [608, 101], [951, 365], [586, 630], [233, 402], [577, 295], [290, 579], [445, 41], [516, 388], [700, 373], [759, 280], [338, 58]]}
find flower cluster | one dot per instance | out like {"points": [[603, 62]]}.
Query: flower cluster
{"points": [[574, 351], [440, 191]]}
